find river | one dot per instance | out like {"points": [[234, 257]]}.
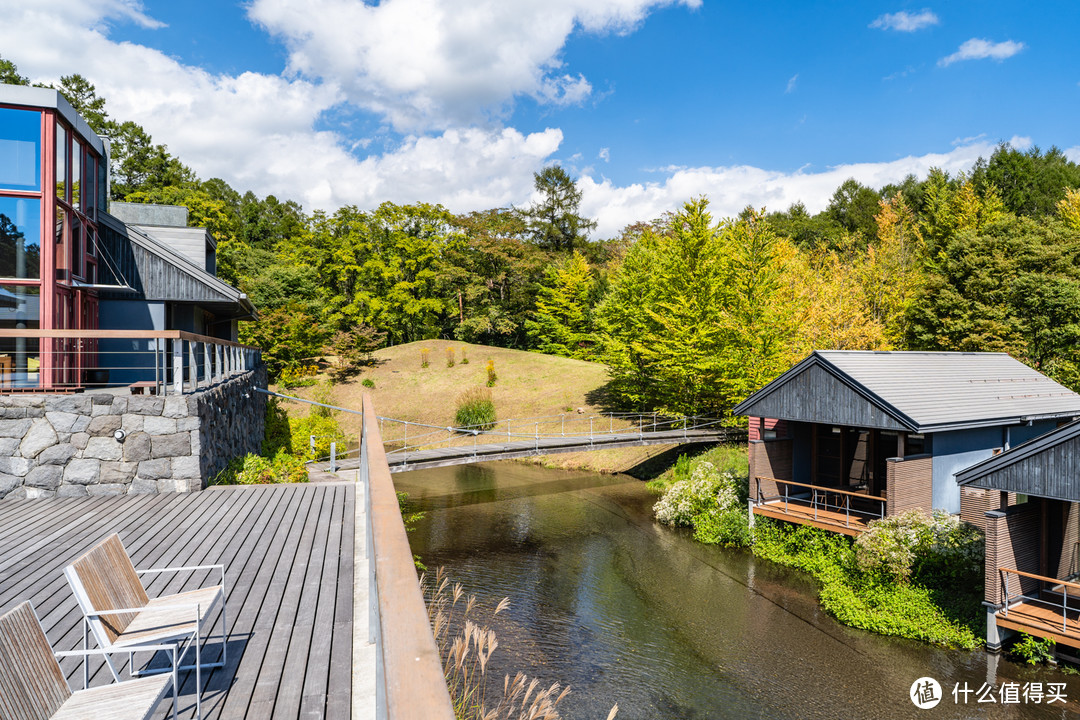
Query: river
{"points": [[625, 610]]}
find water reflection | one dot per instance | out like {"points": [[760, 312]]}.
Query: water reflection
{"points": [[631, 612]]}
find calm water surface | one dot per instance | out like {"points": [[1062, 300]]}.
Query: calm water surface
{"points": [[625, 610]]}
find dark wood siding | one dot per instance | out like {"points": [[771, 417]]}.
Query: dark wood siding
{"points": [[153, 277], [816, 395], [1054, 472]]}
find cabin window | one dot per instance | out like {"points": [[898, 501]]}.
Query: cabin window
{"points": [[768, 435], [20, 150], [915, 444]]}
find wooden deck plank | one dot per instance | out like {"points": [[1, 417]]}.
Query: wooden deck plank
{"points": [[284, 548], [1041, 620], [824, 519], [339, 683]]}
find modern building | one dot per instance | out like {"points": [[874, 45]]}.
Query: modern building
{"points": [[845, 437], [1032, 526], [69, 261]]}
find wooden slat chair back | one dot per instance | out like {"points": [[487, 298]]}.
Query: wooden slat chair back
{"points": [[32, 687], [104, 579]]}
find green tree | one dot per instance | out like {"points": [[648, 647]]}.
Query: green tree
{"points": [[9, 74], [554, 222], [1030, 182], [853, 207], [561, 323], [83, 97]]}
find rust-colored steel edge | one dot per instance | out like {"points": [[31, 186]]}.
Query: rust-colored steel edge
{"points": [[121, 335], [413, 676]]}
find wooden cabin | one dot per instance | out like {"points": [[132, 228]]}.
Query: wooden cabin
{"points": [[1032, 526], [846, 437]]}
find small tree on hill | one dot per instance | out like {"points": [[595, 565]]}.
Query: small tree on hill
{"points": [[553, 221]]}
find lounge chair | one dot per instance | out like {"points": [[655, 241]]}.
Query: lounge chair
{"points": [[32, 686], [118, 612]]}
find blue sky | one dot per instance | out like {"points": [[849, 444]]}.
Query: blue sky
{"points": [[648, 102]]}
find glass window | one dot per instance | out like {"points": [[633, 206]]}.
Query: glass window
{"points": [[20, 149], [88, 191], [76, 245], [20, 358], [61, 162], [76, 155], [60, 249], [20, 237]]}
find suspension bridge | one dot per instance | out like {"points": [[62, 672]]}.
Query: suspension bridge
{"points": [[413, 445]]}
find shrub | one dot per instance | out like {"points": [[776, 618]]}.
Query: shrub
{"points": [[449, 357], [325, 429], [1032, 650], [475, 410], [352, 349], [491, 376], [278, 433], [464, 357], [256, 470], [706, 491], [295, 376], [368, 383], [937, 549], [424, 354]]}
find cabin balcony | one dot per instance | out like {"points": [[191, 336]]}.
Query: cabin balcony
{"points": [[1041, 606], [848, 512]]}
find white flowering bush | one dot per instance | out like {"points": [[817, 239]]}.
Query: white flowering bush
{"points": [[687, 498], [935, 547], [711, 502]]}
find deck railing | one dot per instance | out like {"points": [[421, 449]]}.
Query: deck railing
{"points": [[818, 499], [409, 682], [1056, 585], [164, 361]]}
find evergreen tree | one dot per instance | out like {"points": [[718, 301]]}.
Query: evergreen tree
{"points": [[554, 222], [561, 323]]}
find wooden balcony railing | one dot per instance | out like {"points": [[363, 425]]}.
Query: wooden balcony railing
{"points": [[1010, 599], [163, 361], [814, 500], [409, 674]]}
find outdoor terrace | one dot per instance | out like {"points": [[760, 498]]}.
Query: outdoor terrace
{"points": [[833, 509], [1047, 607], [288, 556]]}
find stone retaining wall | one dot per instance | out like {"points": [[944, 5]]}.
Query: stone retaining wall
{"points": [[65, 445]]}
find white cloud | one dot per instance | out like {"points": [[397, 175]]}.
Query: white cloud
{"points": [[732, 188], [791, 83], [904, 21], [1073, 154], [433, 64], [605, 154], [980, 49]]}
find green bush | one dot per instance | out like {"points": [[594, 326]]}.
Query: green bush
{"points": [[256, 470], [325, 429], [725, 458], [277, 434], [475, 410], [867, 598], [368, 383], [1032, 650]]}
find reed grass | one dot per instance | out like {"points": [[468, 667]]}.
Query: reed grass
{"points": [[466, 646]]}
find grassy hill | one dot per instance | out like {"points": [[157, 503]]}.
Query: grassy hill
{"points": [[529, 385]]}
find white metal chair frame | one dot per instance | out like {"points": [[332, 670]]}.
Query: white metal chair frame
{"points": [[85, 654], [184, 640]]}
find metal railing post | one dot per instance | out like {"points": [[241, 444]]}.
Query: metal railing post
{"points": [[563, 418], [311, 444], [611, 423], [206, 363], [333, 457], [590, 431], [474, 434], [1064, 607], [178, 366], [159, 366], [536, 437], [1005, 588], [193, 366], [219, 372]]}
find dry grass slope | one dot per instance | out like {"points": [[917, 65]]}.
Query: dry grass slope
{"points": [[529, 384]]}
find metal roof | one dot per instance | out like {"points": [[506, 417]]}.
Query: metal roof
{"points": [[926, 391], [1047, 466]]}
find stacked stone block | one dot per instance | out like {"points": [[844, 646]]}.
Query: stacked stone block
{"points": [[66, 445]]}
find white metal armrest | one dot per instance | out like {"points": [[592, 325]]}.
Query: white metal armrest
{"points": [[123, 611], [181, 569], [112, 651]]}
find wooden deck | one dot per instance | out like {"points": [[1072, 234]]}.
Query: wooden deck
{"points": [[288, 556], [1041, 620], [803, 514]]}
